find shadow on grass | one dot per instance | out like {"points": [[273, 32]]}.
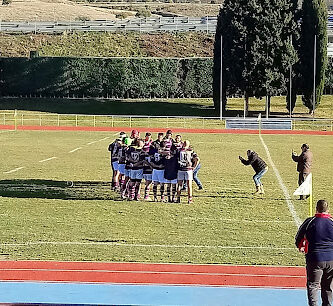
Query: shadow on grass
{"points": [[50, 189], [108, 107]]}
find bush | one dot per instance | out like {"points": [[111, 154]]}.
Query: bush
{"points": [[143, 13], [114, 77]]}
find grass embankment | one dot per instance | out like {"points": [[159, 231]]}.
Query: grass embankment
{"points": [[162, 107], [49, 219], [108, 45]]}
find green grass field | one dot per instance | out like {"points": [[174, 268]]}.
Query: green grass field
{"points": [[46, 217]]}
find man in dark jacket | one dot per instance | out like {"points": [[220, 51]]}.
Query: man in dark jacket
{"points": [[315, 239], [304, 163], [258, 165]]}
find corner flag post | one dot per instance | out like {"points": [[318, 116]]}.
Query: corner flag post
{"points": [[259, 124], [310, 199], [15, 120]]}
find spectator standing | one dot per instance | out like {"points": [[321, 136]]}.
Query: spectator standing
{"points": [[259, 166], [196, 168], [304, 163], [315, 239]]}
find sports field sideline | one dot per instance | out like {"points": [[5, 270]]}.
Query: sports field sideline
{"points": [[57, 203]]}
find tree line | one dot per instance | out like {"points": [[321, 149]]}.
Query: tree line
{"points": [[268, 48]]}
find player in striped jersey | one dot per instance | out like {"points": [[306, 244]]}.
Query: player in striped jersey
{"points": [[168, 141], [178, 142], [185, 172], [147, 142]]}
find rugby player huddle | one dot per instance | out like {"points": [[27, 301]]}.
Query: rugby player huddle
{"points": [[165, 164]]}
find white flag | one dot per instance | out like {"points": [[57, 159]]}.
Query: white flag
{"points": [[305, 188]]}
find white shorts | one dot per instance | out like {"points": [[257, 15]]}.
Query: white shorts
{"points": [[158, 176], [115, 166], [170, 181], [148, 177], [121, 168], [185, 175], [127, 172], [136, 174]]}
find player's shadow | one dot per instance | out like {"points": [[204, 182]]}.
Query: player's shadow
{"points": [[51, 189]]}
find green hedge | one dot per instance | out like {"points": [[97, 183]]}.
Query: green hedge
{"points": [[106, 77]]}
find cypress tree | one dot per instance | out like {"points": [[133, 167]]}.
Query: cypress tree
{"points": [[314, 23], [257, 51]]}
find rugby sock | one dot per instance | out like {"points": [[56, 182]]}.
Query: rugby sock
{"points": [[131, 190], [147, 190], [155, 191], [169, 192], [174, 191], [162, 192], [137, 190]]}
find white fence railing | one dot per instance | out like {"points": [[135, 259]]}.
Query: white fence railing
{"points": [[79, 120]]}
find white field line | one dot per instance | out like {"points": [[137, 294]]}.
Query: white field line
{"points": [[146, 245], [47, 159], [14, 170], [239, 220], [7, 131], [74, 150], [92, 142], [291, 207]]}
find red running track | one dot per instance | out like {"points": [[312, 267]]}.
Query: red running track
{"points": [[155, 130], [147, 273]]}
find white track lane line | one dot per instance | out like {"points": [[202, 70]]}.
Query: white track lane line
{"points": [[14, 170], [74, 150], [290, 204], [47, 159], [147, 245]]}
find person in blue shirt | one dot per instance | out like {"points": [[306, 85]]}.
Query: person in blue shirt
{"points": [[315, 239]]}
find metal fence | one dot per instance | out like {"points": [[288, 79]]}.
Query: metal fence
{"points": [[152, 24], [149, 25], [77, 120]]}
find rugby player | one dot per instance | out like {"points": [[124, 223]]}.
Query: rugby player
{"points": [[185, 172], [135, 156], [157, 162], [114, 148], [170, 173]]}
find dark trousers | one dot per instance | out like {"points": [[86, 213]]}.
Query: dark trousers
{"points": [[319, 274], [301, 177]]}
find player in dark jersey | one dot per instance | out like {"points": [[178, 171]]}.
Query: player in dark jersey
{"points": [[185, 172], [157, 143], [124, 186], [114, 148], [135, 158], [170, 173], [147, 173], [157, 163]]}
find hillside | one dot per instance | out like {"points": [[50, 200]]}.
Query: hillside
{"points": [[108, 45]]}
